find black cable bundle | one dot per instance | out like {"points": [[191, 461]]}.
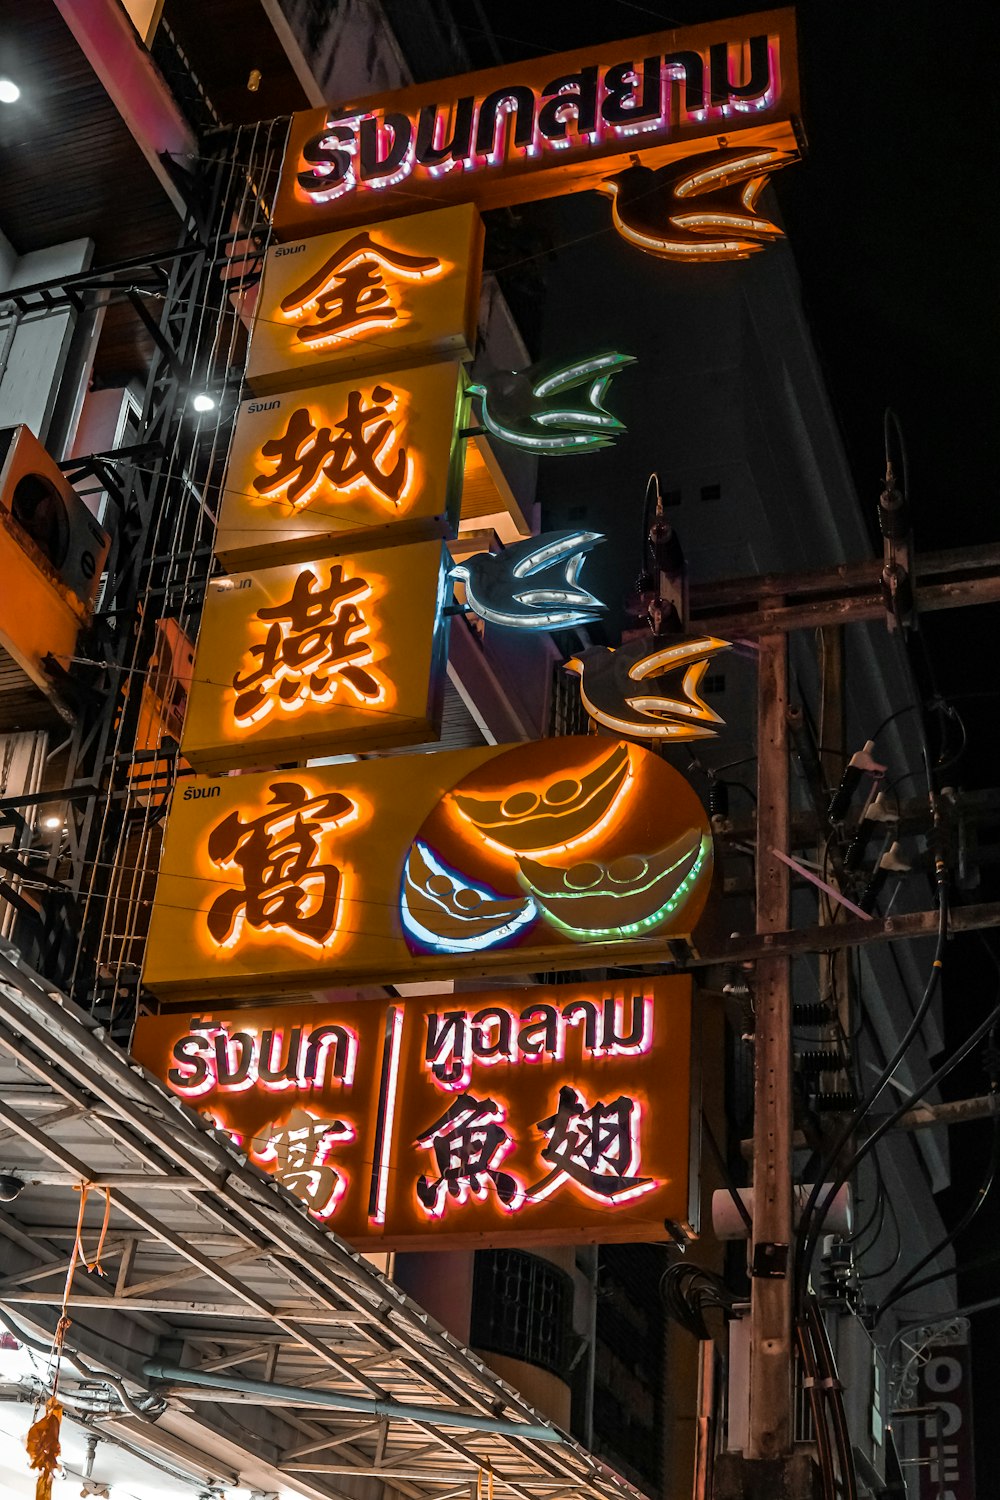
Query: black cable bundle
{"points": [[687, 1290]]}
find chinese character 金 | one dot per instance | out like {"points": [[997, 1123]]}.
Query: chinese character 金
{"points": [[468, 1142], [285, 885], [597, 1148], [299, 1150], [315, 644], [305, 453], [349, 292]]}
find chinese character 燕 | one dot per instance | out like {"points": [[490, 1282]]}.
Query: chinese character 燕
{"points": [[469, 1143], [597, 1148], [299, 1151], [315, 645], [285, 885], [305, 454], [348, 291]]}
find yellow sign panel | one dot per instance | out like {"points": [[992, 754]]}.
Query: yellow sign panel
{"points": [[319, 657], [568, 852], [375, 459], [391, 294]]}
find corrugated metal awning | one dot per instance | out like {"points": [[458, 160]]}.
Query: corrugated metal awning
{"points": [[211, 1267]]}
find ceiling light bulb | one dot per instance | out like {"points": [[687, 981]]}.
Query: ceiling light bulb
{"points": [[203, 402], [9, 91], [52, 822]]}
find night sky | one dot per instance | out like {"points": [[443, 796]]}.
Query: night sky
{"points": [[894, 222]]}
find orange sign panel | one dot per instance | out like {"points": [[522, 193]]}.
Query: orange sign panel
{"points": [[559, 1114], [391, 294], [575, 851], [319, 658], [541, 127], [374, 459]]}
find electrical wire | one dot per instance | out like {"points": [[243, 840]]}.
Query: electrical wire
{"points": [[899, 1288], [814, 1212], [981, 1263], [833, 1391], [688, 1290]]}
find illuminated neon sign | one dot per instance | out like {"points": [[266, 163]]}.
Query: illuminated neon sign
{"points": [[308, 658], [703, 208], [316, 644], [616, 687], [210, 1057], [542, 419], [512, 134], [567, 852], [388, 296], [348, 295], [559, 1110], [513, 587], [458, 1040], [374, 458]]}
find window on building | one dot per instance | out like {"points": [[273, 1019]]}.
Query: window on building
{"points": [[711, 492], [522, 1307]]}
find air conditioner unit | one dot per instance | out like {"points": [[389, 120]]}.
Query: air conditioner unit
{"points": [[48, 515]]}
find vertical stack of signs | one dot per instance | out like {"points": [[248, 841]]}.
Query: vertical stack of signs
{"points": [[327, 634], [344, 475]]}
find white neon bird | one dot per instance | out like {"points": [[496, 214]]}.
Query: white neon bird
{"points": [[534, 584]]}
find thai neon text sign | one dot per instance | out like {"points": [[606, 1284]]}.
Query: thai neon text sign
{"points": [[499, 136], [539, 1112]]}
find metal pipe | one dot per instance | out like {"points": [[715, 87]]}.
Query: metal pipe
{"points": [[334, 1401]]}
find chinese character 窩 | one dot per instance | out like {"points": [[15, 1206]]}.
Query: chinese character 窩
{"points": [[348, 291], [285, 885], [597, 1148], [469, 1143], [299, 1150], [315, 645], [305, 454]]}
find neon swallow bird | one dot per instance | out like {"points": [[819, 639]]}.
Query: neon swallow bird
{"points": [[702, 208], [616, 691], [532, 585], [540, 420]]}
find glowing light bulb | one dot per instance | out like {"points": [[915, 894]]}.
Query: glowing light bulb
{"points": [[203, 402], [52, 822], [9, 91]]}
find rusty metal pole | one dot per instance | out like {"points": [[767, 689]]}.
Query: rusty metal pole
{"points": [[770, 1432]]}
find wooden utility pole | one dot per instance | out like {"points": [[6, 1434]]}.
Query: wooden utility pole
{"points": [[770, 1432]]}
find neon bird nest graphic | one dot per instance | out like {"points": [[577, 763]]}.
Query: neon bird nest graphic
{"points": [[563, 842]]}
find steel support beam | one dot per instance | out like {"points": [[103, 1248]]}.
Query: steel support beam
{"points": [[794, 942], [839, 596]]}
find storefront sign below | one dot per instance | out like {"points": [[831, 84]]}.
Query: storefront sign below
{"points": [[546, 126], [319, 658], [555, 1115], [569, 852]]}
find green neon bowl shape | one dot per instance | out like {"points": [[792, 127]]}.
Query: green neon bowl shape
{"points": [[645, 924]]}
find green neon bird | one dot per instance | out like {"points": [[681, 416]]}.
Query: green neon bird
{"points": [[539, 419]]}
